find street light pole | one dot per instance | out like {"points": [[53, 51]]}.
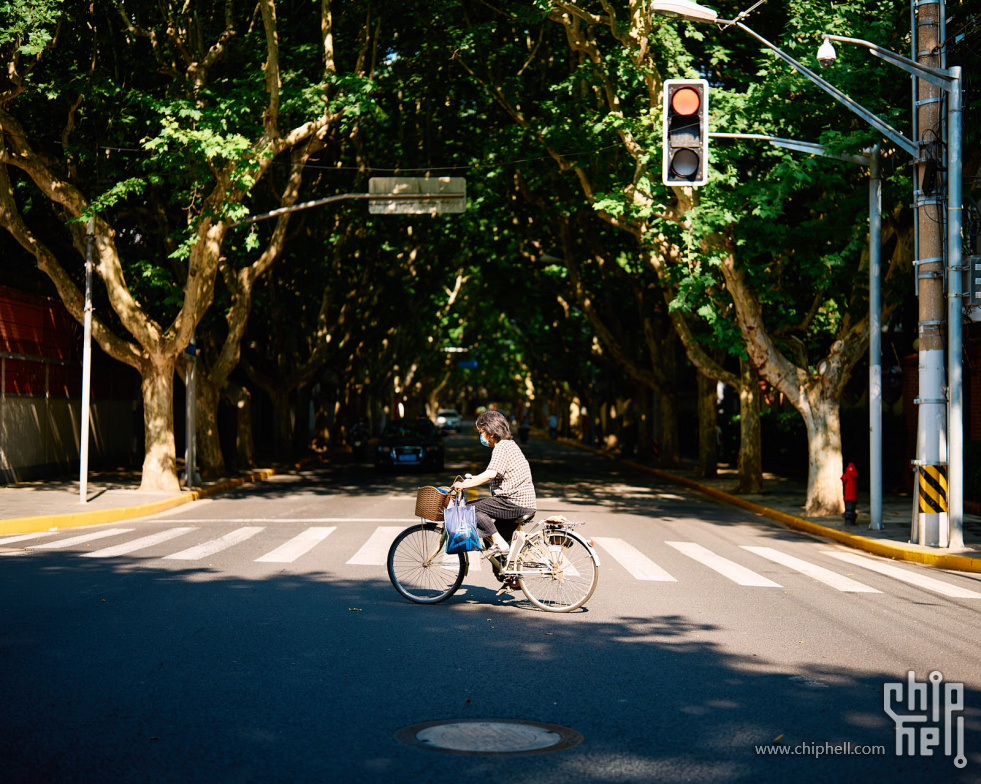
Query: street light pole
{"points": [[83, 436], [875, 342]]}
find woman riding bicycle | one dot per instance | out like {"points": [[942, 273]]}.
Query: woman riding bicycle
{"points": [[512, 489]]}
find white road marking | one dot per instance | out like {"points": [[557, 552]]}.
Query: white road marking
{"points": [[268, 520], [297, 546], [730, 569], [22, 537], [633, 560], [215, 545], [79, 539], [374, 552], [819, 573], [138, 544], [919, 580]]}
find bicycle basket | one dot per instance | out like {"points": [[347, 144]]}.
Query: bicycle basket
{"points": [[430, 502]]}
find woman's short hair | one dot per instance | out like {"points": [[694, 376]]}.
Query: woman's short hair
{"points": [[495, 423]]}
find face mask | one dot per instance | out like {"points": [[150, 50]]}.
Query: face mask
{"points": [[483, 440]]}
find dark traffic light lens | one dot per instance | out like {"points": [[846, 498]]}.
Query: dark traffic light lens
{"points": [[685, 101], [684, 163]]}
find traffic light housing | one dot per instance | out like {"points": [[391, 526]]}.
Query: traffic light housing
{"points": [[686, 132]]}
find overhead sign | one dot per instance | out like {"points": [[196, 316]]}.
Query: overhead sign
{"points": [[415, 195]]}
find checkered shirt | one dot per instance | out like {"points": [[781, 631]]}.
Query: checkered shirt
{"points": [[513, 480]]}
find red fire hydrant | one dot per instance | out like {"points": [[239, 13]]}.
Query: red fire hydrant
{"points": [[849, 480]]}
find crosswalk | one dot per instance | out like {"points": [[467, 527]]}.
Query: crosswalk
{"points": [[372, 551]]}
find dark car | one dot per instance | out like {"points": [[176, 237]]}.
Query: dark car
{"points": [[410, 443]]}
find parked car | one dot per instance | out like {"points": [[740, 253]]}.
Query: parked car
{"points": [[410, 443], [448, 419]]}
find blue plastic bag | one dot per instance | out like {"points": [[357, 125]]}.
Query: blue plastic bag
{"points": [[461, 528]]}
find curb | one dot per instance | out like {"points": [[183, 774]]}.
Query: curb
{"points": [[897, 551], [102, 516]]}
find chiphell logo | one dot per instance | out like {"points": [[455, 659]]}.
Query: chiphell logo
{"points": [[924, 716]]}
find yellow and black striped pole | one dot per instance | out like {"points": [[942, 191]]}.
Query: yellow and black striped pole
{"points": [[933, 489], [933, 517]]}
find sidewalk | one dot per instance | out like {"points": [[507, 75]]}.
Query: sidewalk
{"points": [[782, 500], [115, 495], [112, 496]]}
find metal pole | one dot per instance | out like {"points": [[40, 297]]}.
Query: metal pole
{"points": [[931, 432], [955, 292], [190, 458], [875, 342], [83, 437], [880, 125]]}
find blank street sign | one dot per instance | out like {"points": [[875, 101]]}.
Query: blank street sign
{"points": [[413, 195]]}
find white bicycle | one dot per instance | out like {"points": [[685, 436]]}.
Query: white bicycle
{"points": [[553, 565]]}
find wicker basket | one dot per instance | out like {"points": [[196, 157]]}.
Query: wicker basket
{"points": [[430, 503]]}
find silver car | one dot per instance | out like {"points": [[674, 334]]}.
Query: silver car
{"points": [[448, 419]]}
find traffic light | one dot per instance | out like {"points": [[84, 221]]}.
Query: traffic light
{"points": [[685, 132]]}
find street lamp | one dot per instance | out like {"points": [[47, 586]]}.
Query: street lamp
{"points": [[931, 399]]}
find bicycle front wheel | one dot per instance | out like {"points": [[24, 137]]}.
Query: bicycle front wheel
{"points": [[419, 567], [557, 572]]}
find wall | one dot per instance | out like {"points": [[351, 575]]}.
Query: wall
{"points": [[40, 393]]}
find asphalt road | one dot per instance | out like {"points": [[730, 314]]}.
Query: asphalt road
{"points": [[287, 656]]}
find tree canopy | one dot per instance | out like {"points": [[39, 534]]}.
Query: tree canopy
{"points": [[576, 279]]}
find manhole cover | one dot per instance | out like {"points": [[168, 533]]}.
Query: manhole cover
{"points": [[489, 736]]}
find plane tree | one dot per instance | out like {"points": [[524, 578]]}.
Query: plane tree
{"points": [[170, 115], [615, 62]]}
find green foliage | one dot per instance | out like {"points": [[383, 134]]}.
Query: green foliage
{"points": [[28, 24]]}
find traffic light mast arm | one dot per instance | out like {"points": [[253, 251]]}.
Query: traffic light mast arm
{"points": [[938, 77], [811, 148], [880, 125]]}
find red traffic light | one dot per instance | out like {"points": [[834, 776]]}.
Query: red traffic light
{"points": [[685, 101], [685, 132]]}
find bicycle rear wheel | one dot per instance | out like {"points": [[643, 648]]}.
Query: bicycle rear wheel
{"points": [[559, 574], [420, 569]]}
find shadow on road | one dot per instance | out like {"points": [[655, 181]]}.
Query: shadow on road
{"points": [[120, 671]]}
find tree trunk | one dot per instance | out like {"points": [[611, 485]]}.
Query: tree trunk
{"points": [[824, 463], [815, 397], [241, 400], [282, 424], [208, 447], [707, 428], [160, 461], [670, 449], [645, 434], [750, 442]]}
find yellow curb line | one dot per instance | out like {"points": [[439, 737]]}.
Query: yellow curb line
{"points": [[101, 516], [960, 563]]}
